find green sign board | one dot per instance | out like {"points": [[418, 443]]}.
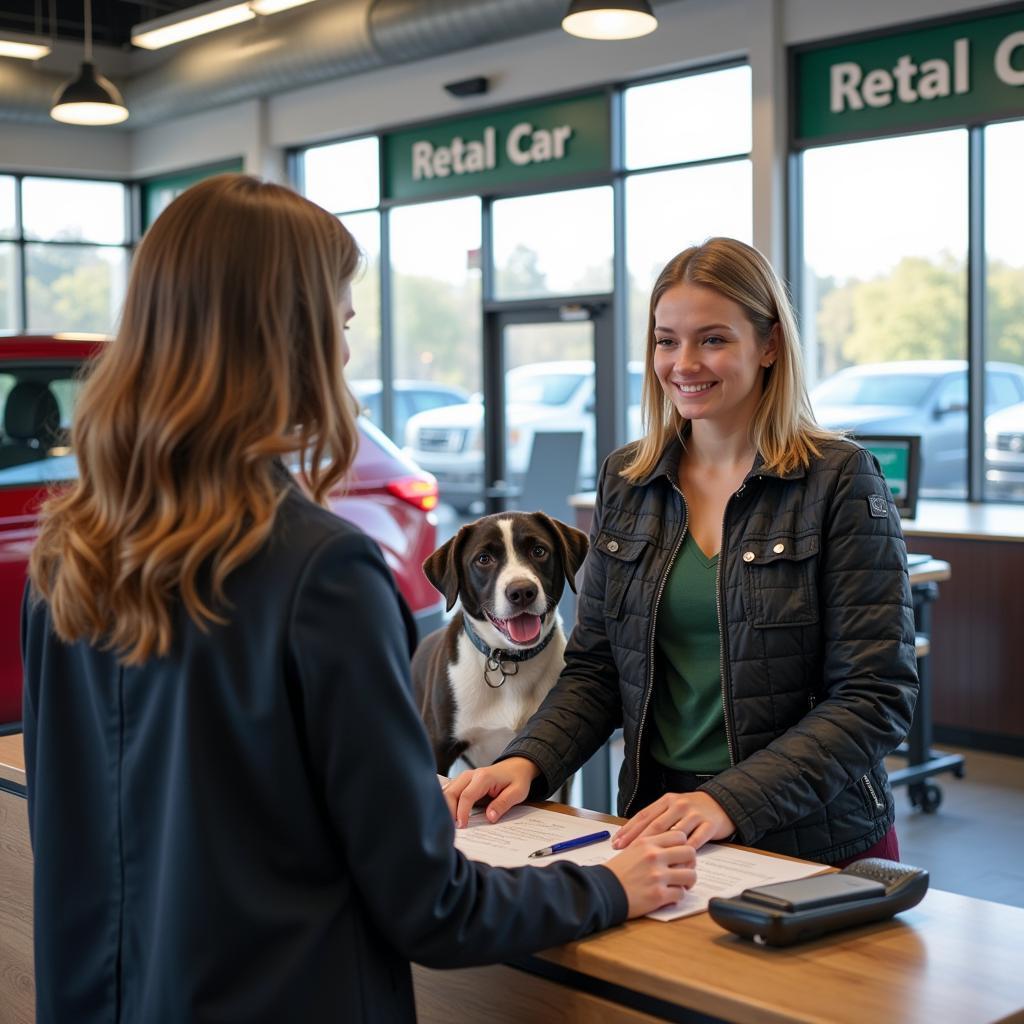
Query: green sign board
{"points": [[489, 152], [157, 193], [953, 73]]}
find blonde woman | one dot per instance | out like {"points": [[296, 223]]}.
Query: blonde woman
{"points": [[745, 614], [217, 676]]}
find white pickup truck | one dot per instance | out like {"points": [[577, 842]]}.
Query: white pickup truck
{"points": [[549, 396]]}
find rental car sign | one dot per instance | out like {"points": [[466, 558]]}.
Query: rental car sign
{"points": [[539, 144], [944, 74]]}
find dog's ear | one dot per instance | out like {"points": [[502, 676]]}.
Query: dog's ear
{"points": [[443, 570], [573, 546]]}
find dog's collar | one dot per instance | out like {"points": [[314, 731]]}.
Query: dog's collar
{"points": [[498, 658]]}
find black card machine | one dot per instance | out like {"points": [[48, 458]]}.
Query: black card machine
{"points": [[788, 912]]}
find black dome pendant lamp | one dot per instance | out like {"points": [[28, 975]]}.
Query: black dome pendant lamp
{"points": [[609, 19], [89, 98]]}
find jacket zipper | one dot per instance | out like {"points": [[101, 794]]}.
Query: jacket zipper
{"points": [[650, 652], [720, 609], [871, 789]]}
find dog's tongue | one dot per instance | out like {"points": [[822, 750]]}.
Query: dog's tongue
{"points": [[524, 629]]}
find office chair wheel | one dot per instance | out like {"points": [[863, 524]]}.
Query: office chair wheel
{"points": [[926, 795], [958, 771]]}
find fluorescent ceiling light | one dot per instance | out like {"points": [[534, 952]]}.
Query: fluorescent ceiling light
{"points": [[609, 19], [273, 6], [14, 44], [191, 22]]}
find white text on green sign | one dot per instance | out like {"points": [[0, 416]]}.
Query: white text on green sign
{"points": [[524, 145]]}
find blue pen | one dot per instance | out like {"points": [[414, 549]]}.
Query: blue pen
{"points": [[571, 844]]}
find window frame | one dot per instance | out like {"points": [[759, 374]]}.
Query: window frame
{"points": [[614, 391], [21, 242]]}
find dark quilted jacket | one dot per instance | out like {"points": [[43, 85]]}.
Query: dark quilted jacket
{"points": [[818, 667]]}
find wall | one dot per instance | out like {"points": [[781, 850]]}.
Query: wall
{"points": [[63, 149]]}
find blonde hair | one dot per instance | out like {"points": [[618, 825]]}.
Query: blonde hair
{"points": [[783, 428], [229, 356]]}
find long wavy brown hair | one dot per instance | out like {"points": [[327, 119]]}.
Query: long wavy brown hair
{"points": [[783, 429], [229, 357]]}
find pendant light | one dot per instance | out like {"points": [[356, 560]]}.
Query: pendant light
{"points": [[90, 98], [609, 19]]}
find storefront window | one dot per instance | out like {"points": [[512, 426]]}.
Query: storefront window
{"points": [[364, 328], [667, 211], [1004, 313], [682, 120], [885, 294], [63, 210], [8, 222], [343, 175], [74, 287], [559, 243], [436, 309], [71, 246]]}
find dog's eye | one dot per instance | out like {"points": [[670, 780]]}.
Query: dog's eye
{"points": [[484, 558], [539, 551]]}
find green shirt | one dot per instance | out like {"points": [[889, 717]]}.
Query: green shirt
{"points": [[689, 723]]}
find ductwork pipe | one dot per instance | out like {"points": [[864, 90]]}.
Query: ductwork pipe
{"points": [[323, 41]]}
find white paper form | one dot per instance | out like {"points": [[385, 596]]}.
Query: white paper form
{"points": [[725, 871], [721, 870], [508, 843]]}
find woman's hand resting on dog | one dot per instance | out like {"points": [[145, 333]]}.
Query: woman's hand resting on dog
{"points": [[696, 815], [654, 870]]}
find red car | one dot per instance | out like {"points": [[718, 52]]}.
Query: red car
{"points": [[386, 494]]}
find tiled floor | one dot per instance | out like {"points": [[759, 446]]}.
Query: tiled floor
{"points": [[974, 843]]}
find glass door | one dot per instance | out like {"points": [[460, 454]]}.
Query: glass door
{"points": [[544, 434]]}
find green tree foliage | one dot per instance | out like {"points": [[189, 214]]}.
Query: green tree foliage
{"points": [[8, 311], [437, 329], [918, 311], [71, 288], [1005, 312]]}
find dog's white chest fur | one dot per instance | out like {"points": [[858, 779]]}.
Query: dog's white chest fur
{"points": [[487, 718]]}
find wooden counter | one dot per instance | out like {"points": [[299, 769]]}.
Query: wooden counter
{"points": [[17, 987], [951, 958]]}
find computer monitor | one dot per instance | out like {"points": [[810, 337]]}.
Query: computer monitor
{"points": [[899, 455]]}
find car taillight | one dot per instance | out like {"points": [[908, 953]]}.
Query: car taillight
{"points": [[417, 490]]}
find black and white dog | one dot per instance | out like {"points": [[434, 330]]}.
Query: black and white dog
{"points": [[478, 679]]}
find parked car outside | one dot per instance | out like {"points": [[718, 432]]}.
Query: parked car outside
{"points": [[386, 495], [411, 397], [925, 397], [548, 396], [1004, 453]]}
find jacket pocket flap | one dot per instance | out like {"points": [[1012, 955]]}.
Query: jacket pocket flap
{"points": [[625, 549], [780, 547]]}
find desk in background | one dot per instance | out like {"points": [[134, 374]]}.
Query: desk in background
{"points": [[951, 958]]}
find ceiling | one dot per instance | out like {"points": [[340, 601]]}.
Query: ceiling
{"points": [[112, 20]]}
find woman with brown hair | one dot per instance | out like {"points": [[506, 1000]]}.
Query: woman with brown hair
{"points": [[745, 613], [217, 675]]}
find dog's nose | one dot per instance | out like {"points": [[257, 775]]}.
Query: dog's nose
{"points": [[521, 593]]}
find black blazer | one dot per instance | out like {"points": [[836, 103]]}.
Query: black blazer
{"points": [[250, 829]]}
